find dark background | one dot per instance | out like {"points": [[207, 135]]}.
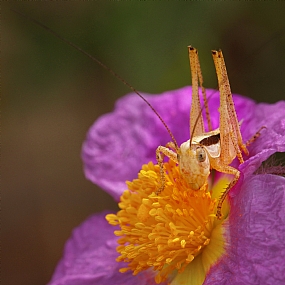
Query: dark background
{"points": [[51, 94]]}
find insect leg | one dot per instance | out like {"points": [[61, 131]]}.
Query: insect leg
{"points": [[196, 119], [255, 136], [161, 152], [229, 125], [229, 170], [206, 105], [171, 146]]}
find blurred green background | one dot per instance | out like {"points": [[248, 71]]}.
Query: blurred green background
{"points": [[51, 94]]}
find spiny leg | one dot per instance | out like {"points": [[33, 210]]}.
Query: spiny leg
{"points": [[229, 170], [232, 116], [228, 119], [238, 148], [225, 193], [206, 105], [172, 146], [196, 120], [161, 152], [255, 136]]}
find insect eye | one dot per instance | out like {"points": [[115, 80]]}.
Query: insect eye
{"points": [[201, 154]]}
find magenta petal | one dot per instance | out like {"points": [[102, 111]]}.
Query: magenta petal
{"points": [[119, 143], [90, 258], [256, 252], [271, 140]]}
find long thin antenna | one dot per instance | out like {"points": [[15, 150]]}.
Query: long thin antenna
{"points": [[102, 65]]}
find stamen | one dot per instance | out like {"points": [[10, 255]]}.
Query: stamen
{"points": [[165, 232]]}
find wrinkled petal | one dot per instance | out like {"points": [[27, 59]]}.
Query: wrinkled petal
{"points": [[119, 143], [256, 250], [271, 140], [90, 258]]}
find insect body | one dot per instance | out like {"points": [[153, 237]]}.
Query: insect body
{"points": [[207, 150]]}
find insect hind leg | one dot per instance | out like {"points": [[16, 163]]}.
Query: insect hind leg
{"points": [[255, 136], [161, 152]]}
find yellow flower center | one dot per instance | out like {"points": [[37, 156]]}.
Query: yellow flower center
{"points": [[175, 233]]}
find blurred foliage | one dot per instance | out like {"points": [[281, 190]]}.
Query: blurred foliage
{"points": [[51, 94], [145, 42]]}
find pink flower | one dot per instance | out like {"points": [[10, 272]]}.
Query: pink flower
{"points": [[117, 146]]}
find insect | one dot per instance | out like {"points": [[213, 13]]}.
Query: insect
{"points": [[215, 149]]}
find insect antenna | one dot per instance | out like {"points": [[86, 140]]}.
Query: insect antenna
{"points": [[102, 65]]}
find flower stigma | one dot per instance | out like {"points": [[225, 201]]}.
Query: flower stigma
{"points": [[175, 233]]}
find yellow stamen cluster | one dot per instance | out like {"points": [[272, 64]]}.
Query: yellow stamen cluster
{"points": [[164, 232]]}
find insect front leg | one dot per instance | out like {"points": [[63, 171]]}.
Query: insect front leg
{"points": [[161, 152], [172, 146]]}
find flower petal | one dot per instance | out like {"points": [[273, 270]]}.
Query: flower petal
{"points": [[256, 235], [271, 140], [90, 258]]}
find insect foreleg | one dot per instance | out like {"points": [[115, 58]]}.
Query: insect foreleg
{"points": [[255, 136], [172, 146], [161, 152]]}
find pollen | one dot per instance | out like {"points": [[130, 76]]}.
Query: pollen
{"points": [[169, 231]]}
